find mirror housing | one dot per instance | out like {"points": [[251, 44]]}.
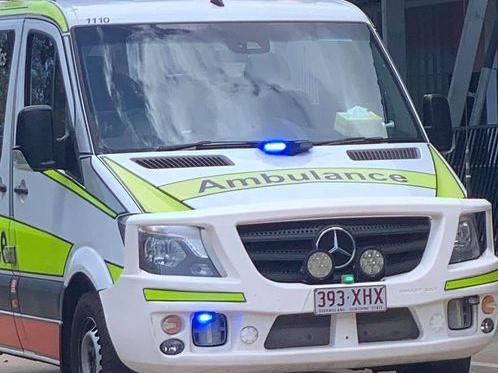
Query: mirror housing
{"points": [[35, 137], [437, 122]]}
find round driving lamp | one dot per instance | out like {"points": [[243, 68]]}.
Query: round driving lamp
{"points": [[371, 264], [319, 265]]}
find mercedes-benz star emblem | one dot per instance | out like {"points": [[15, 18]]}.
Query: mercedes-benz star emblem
{"points": [[339, 243]]}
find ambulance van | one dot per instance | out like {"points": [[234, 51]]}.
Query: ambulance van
{"points": [[206, 186]]}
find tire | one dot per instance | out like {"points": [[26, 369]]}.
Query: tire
{"points": [[92, 350], [453, 366]]}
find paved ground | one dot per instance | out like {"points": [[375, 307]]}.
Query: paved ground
{"points": [[486, 362]]}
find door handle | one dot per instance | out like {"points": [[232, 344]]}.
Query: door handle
{"points": [[21, 189]]}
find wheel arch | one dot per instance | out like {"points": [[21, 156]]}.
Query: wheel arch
{"points": [[86, 271], [89, 262]]}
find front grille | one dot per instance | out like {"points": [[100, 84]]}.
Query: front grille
{"points": [[303, 330], [396, 324], [278, 250]]}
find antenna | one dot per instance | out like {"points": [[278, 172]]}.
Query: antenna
{"points": [[219, 3]]}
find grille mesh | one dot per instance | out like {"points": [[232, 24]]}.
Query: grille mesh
{"points": [[278, 250], [384, 154], [184, 162]]}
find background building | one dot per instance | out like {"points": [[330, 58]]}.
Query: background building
{"points": [[449, 47]]}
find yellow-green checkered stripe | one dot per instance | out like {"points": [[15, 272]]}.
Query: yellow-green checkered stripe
{"points": [[156, 295], [468, 282]]}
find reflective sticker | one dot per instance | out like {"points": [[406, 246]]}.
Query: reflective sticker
{"points": [[42, 8], [37, 251], [147, 196], [206, 186], [79, 190], [155, 295], [114, 270], [40, 252], [5, 232], [462, 283], [447, 184]]}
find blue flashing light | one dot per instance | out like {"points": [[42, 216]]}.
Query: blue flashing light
{"points": [[274, 147], [204, 318], [289, 148]]}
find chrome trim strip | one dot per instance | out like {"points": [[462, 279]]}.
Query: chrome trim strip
{"points": [[28, 355], [23, 316]]}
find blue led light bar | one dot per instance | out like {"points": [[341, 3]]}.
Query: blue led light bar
{"points": [[274, 147], [279, 147]]}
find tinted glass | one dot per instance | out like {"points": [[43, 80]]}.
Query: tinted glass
{"points": [[44, 82], [6, 55]]}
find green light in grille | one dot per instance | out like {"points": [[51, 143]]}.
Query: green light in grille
{"points": [[347, 279]]}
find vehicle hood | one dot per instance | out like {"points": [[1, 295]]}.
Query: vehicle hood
{"points": [[256, 177]]}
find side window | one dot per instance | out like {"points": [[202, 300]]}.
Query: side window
{"points": [[44, 82], [44, 85], [6, 54]]}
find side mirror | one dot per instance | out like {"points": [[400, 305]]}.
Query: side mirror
{"points": [[35, 137], [437, 122]]}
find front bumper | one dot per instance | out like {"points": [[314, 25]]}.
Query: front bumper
{"points": [[135, 324]]}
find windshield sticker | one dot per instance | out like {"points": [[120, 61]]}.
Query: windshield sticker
{"points": [[206, 186]]}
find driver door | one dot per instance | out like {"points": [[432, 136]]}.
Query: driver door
{"points": [[10, 40]]}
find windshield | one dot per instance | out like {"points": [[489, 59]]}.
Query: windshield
{"points": [[158, 85]]}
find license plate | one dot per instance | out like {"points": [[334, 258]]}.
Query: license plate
{"points": [[350, 300]]}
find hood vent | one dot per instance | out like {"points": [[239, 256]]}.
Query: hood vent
{"points": [[184, 161], [384, 154]]}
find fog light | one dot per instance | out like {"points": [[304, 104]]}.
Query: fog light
{"points": [[319, 265], [209, 329], [460, 314], [372, 263], [172, 347], [488, 305], [172, 324], [487, 326], [249, 335]]}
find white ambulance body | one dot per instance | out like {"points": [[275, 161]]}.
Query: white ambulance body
{"points": [[198, 186]]}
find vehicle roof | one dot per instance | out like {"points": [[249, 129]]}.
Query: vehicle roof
{"points": [[70, 13]]}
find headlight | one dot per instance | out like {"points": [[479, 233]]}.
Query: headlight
{"points": [[469, 241], [174, 251]]}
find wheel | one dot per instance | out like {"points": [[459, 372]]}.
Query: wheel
{"points": [[91, 348], [453, 366]]}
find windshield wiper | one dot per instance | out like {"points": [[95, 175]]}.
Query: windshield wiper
{"points": [[209, 145], [366, 140]]}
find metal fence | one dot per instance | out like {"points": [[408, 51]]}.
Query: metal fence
{"points": [[481, 161]]}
